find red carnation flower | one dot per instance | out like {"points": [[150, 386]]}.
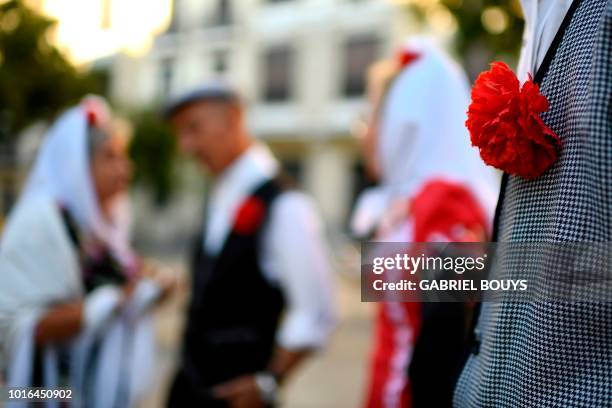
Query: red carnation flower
{"points": [[96, 110], [505, 124], [92, 118], [406, 57], [249, 216]]}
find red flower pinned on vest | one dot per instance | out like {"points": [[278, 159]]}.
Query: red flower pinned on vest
{"points": [[505, 124], [406, 57], [249, 216]]}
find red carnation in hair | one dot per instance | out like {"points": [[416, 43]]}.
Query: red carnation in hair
{"points": [[92, 119], [505, 124], [96, 110], [406, 57], [249, 216]]}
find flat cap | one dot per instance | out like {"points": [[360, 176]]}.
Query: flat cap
{"points": [[210, 91]]}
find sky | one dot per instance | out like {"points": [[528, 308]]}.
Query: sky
{"points": [[90, 29]]}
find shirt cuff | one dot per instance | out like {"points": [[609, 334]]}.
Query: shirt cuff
{"points": [[300, 330]]}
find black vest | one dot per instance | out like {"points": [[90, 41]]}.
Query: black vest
{"points": [[234, 310]]}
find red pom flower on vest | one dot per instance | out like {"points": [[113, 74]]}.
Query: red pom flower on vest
{"points": [[406, 57], [505, 124], [249, 216]]}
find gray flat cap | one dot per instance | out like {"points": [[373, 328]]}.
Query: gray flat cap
{"points": [[211, 91]]}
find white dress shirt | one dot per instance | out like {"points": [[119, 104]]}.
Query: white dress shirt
{"points": [[292, 254], [542, 21]]}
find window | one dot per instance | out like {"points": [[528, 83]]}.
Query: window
{"points": [[359, 53], [166, 76], [278, 70], [293, 169], [223, 13], [220, 61]]}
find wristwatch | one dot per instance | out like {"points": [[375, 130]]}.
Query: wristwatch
{"points": [[268, 386]]}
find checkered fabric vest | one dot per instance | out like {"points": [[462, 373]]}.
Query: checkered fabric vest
{"points": [[544, 353]]}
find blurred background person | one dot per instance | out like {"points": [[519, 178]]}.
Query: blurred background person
{"points": [[432, 188], [74, 306], [262, 297]]}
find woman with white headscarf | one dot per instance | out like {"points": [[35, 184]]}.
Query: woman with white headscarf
{"points": [[432, 187], [73, 309]]}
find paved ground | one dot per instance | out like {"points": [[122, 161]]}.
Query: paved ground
{"points": [[333, 379]]}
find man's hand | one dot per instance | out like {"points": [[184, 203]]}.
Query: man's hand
{"points": [[241, 392]]}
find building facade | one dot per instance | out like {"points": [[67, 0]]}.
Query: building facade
{"points": [[300, 64]]}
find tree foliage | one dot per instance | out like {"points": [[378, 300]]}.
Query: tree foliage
{"points": [[153, 150], [487, 30], [36, 80]]}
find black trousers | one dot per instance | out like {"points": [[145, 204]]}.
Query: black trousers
{"points": [[184, 394], [438, 355]]}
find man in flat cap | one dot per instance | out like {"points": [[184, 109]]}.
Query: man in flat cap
{"points": [[261, 289]]}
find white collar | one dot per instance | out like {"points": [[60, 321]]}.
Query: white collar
{"points": [[252, 167], [231, 187], [542, 21]]}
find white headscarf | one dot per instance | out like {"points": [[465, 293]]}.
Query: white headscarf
{"points": [[62, 172], [422, 133]]}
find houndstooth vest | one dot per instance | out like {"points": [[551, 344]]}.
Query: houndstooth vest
{"points": [[556, 354]]}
